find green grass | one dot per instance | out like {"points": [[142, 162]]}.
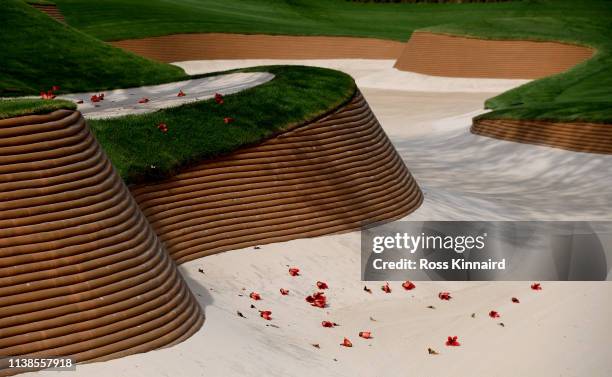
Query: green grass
{"points": [[584, 92], [17, 107], [37, 52], [196, 131]]}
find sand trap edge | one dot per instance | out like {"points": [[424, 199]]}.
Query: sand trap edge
{"points": [[83, 274], [336, 174], [457, 56], [573, 136], [209, 46]]}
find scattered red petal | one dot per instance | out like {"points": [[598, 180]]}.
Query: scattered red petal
{"points": [[318, 299], [536, 287], [408, 285], [328, 324], [515, 300], [55, 88], [143, 100], [346, 343], [284, 291], [385, 288], [228, 120], [95, 98], [444, 296], [452, 341], [365, 334], [294, 271], [494, 314], [218, 98], [181, 94], [162, 127], [47, 95], [255, 296], [265, 314], [101, 95], [322, 285]]}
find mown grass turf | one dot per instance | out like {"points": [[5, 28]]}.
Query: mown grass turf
{"points": [[17, 107], [36, 52], [579, 93], [141, 152]]}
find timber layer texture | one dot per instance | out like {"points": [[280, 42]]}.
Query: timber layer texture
{"points": [[84, 274]]}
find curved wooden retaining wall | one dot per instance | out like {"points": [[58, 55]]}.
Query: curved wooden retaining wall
{"points": [[81, 271], [52, 11], [453, 56], [181, 47], [334, 174], [579, 137]]}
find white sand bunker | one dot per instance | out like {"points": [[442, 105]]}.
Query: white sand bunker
{"points": [[147, 99]]}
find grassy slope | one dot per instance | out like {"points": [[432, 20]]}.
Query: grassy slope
{"points": [[197, 131], [37, 52], [584, 92], [16, 107]]}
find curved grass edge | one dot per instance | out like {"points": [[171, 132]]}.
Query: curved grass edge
{"points": [[11, 108], [197, 131]]}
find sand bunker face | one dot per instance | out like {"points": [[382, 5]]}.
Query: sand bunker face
{"points": [[82, 273], [579, 137], [180, 47], [452, 56], [332, 175]]}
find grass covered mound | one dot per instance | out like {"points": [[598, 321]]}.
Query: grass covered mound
{"points": [[17, 107], [37, 52], [141, 151]]}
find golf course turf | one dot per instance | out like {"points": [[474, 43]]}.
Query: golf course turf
{"points": [[38, 52], [581, 90]]}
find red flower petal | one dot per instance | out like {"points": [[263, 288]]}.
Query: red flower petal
{"points": [[284, 291], [515, 300], [143, 100], [162, 127], [318, 299], [408, 285], [328, 324], [322, 285], [452, 341], [346, 343], [536, 287], [494, 314], [55, 88], [294, 271], [95, 98], [365, 334], [444, 296], [47, 95], [385, 288], [218, 98], [228, 120], [180, 94], [255, 296], [265, 314]]}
